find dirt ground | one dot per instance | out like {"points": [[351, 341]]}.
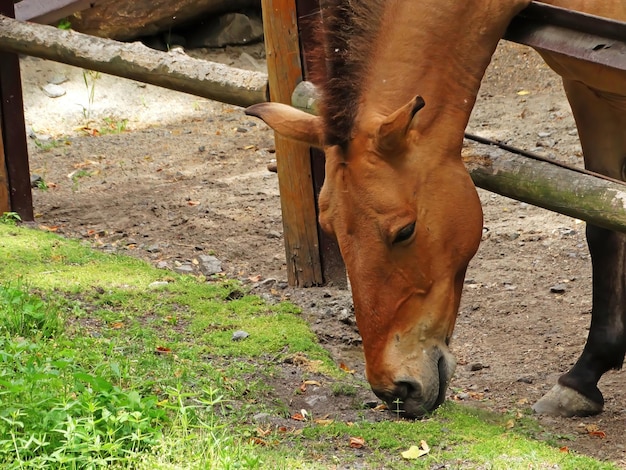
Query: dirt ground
{"points": [[189, 177]]}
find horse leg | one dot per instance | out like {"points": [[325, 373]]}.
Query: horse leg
{"points": [[601, 121]]}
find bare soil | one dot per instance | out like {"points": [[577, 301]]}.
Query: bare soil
{"points": [[189, 177]]}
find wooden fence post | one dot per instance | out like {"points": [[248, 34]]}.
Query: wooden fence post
{"points": [[15, 191], [293, 159]]}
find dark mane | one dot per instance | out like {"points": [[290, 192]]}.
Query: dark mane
{"points": [[349, 29]]}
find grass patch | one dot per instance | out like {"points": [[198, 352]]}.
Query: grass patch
{"points": [[108, 362]]}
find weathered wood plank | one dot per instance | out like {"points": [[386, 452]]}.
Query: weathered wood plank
{"points": [[573, 193], [293, 158], [135, 61]]}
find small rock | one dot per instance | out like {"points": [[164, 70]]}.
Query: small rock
{"points": [[544, 134], [58, 79], [241, 129], [261, 418], [153, 249], [184, 269], [558, 289], [157, 284], [478, 366], [273, 234], [35, 180], [239, 335], [53, 91], [162, 265], [209, 265], [525, 380]]}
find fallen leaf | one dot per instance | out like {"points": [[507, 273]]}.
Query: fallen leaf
{"points": [[298, 417], [193, 203], [345, 368], [523, 93], [564, 449], [313, 382], [263, 432], [600, 434], [303, 387], [52, 228], [510, 424], [256, 278], [117, 325], [357, 442], [162, 350], [324, 421], [381, 407], [258, 441], [416, 452]]}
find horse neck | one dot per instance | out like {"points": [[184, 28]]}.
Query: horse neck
{"points": [[441, 55]]}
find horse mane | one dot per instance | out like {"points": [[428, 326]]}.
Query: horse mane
{"points": [[348, 30]]}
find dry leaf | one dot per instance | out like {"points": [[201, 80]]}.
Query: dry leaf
{"points": [[564, 449], [298, 417], [357, 442], [345, 368], [313, 382], [52, 228], [510, 424], [117, 325], [381, 407], [162, 350], [416, 452], [324, 422], [523, 93], [600, 434]]}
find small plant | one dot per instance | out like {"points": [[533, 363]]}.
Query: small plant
{"points": [[340, 388], [90, 78], [10, 218], [47, 145], [77, 176], [26, 315], [42, 185], [64, 24]]}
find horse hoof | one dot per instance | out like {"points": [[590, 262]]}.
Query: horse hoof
{"points": [[566, 402]]}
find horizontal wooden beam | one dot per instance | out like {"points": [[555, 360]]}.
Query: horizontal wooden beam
{"points": [[135, 61]]}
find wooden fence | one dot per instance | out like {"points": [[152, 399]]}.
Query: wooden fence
{"points": [[312, 257]]}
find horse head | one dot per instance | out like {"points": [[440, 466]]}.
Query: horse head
{"points": [[407, 220]]}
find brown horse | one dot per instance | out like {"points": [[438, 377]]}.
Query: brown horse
{"points": [[399, 79]]}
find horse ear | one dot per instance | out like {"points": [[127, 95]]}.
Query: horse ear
{"points": [[392, 132], [290, 122]]}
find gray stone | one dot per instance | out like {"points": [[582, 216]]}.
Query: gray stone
{"points": [[184, 269], [239, 335], [157, 284], [58, 79], [53, 91], [209, 265]]}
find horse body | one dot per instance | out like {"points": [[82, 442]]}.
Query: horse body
{"points": [[399, 80]]}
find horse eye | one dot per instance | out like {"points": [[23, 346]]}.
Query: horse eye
{"points": [[405, 233]]}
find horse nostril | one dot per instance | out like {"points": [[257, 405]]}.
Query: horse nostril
{"points": [[408, 388]]}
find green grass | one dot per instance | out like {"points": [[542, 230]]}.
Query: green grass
{"points": [[102, 368]]}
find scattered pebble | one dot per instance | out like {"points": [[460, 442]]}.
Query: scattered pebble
{"points": [[53, 91], [558, 289], [239, 335]]}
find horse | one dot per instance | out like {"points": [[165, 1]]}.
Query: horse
{"points": [[399, 79]]}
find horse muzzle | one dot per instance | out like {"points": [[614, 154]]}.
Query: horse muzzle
{"points": [[419, 387]]}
